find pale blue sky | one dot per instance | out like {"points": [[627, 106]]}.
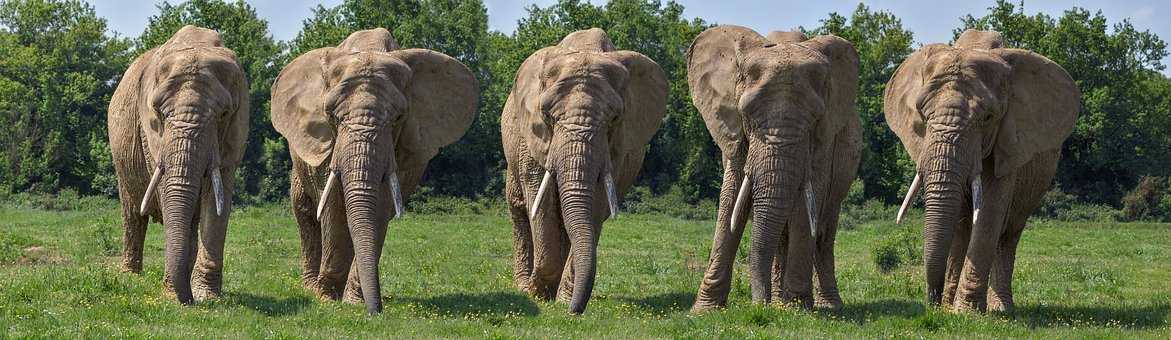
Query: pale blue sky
{"points": [[930, 20]]}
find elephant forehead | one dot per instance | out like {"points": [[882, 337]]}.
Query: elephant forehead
{"points": [[584, 64], [371, 65], [786, 63], [972, 63]]}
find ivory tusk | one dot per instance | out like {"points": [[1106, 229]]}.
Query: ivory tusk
{"points": [[329, 183], [217, 187], [910, 197], [545, 181], [977, 198], [396, 194], [150, 190], [611, 194], [741, 201], [811, 207]]}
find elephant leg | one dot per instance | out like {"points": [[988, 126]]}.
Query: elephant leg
{"points": [[1035, 179], [982, 247], [550, 249], [956, 254], [304, 192], [522, 233], [337, 250], [717, 279], [779, 269], [207, 281], [798, 280], [134, 229], [843, 167]]}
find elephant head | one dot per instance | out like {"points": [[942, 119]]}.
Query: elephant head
{"points": [[772, 104], [375, 115], [191, 97], [969, 110], [587, 112]]}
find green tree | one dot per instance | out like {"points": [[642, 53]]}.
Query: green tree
{"points": [[471, 166], [263, 175], [56, 77], [882, 44], [1122, 130]]}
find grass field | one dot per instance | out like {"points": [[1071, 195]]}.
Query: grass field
{"points": [[450, 276]]}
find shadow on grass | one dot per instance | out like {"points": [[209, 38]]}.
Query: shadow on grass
{"points": [[1139, 317], [860, 313], [269, 305], [661, 304], [480, 304]]}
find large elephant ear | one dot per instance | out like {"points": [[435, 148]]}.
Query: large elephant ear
{"points": [[644, 106], [524, 103], [715, 79], [442, 96], [842, 87], [127, 103], [298, 110], [1042, 109], [234, 134], [900, 99]]}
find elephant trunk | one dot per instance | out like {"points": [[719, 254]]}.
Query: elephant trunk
{"points": [[184, 164], [362, 166], [577, 178], [777, 175], [943, 168]]}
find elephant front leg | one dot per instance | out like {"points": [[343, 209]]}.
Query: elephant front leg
{"points": [[304, 204], [955, 257], [799, 261], [133, 237], [522, 234], [207, 279], [717, 278], [337, 251], [550, 251], [982, 248]]}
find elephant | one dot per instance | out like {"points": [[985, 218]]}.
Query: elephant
{"points": [[781, 110], [362, 121], [576, 123], [177, 126], [984, 125]]}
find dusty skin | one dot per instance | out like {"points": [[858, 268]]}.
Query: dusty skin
{"points": [[781, 109], [984, 125], [177, 125], [574, 129], [362, 120]]}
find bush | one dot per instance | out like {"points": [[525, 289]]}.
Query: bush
{"points": [[901, 247], [65, 200], [1062, 206], [423, 202], [1149, 200], [640, 200], [874, 210]]}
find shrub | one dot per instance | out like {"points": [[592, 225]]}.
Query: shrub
{"points": [[901, 247], [674, 203], [874, 210], [1062, 206], [1149, 200]]}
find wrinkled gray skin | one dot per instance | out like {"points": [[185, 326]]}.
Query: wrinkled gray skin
{"points": [[182, 105], [978, 117], [782, 111], [374, 115], [578, 111]]}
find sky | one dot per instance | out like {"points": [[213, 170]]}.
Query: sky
{"points": [[930, 20]]}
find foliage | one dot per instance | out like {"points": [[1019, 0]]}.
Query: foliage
{"points": [[673, 203], [902, 246], [263, 175], [882, 44], [55, 84], [1124, 126], [1149, 200], [1062, 206]]}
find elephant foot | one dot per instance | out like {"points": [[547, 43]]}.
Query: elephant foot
{"points": [[701, 308], [800, 300], [132, 265], [206, 286], [997, 304], [542, 292], [828, 301], [353, 295], [328, 292], [969, 304], [204, 294]]}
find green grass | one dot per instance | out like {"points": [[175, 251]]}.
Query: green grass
{"points": [[450, 276]]}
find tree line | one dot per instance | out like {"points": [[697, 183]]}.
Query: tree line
{"points": [[60, 64]]}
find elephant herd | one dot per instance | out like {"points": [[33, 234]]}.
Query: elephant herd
{"points": [[364, 118]]}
